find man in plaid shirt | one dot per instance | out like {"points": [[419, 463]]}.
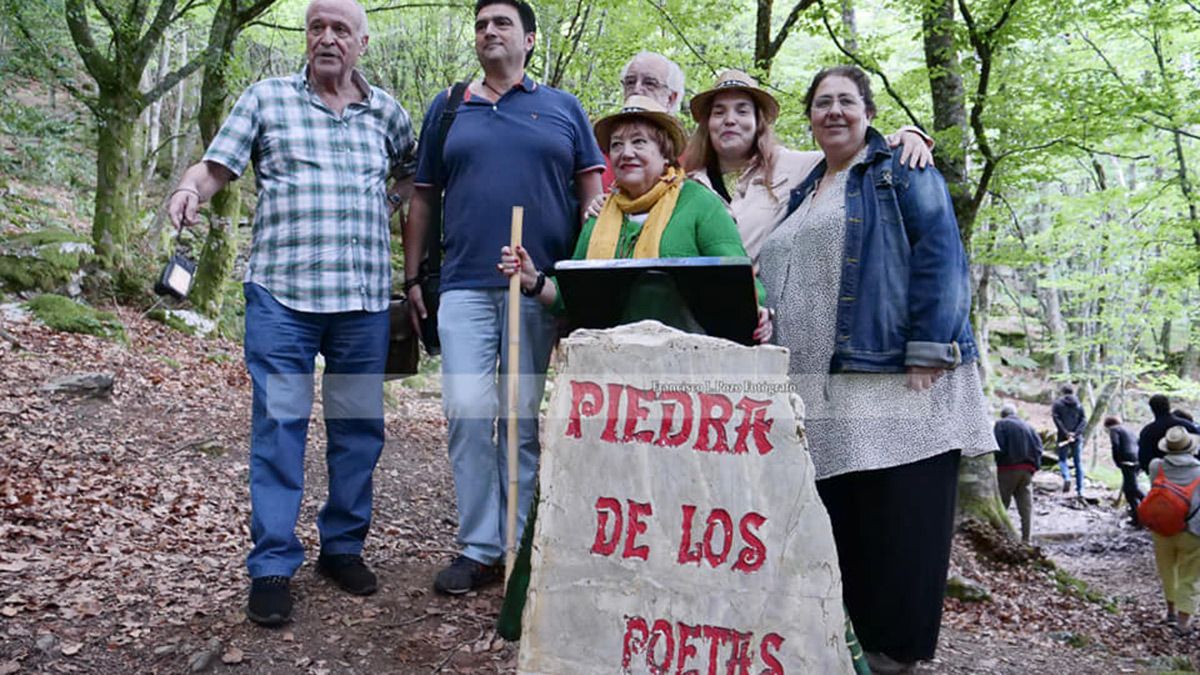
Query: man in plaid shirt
{"points": [[324, 145]]}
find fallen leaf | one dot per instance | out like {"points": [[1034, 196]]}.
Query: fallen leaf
{"points": [[71, 648], [17, 566], [233, 656], [9, 667], [10, 611]]}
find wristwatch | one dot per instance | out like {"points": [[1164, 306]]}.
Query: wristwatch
{"points": [[395, 199]]}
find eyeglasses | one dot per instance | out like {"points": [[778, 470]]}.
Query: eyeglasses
{"points": [[648, 83], [824, 103]]}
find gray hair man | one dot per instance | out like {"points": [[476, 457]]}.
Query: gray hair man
{"points": [[654, 75], [317, 282]]}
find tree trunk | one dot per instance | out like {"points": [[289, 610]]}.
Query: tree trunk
{"points": [[220, 246], [979, 494], [949, 109], [117, 186], [180, 100], [850, 24], [1057, 326]]}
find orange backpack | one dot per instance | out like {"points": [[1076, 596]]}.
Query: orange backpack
{"points": [[1167, 509]]}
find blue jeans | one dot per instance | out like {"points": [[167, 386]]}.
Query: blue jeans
{"points": [[281, 348], [473, 327], [1076, 451]]}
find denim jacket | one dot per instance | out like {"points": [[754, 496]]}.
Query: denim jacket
{"points": [[905, 294]]}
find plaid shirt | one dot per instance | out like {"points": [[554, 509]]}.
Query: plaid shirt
{"points": [[320, 241]]}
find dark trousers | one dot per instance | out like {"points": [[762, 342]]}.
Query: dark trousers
{"points": [[1133, 493], [893, 528]]}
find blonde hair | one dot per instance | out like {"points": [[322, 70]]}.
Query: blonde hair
{"points": [[701, 156]]}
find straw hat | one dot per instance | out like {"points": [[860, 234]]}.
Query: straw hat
{"points": [[734, 80], [1179, 442], [645, 109]]}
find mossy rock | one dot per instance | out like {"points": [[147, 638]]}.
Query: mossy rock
{"points": [[64, 314], [184, 321], [966, 590], [46, 260]]}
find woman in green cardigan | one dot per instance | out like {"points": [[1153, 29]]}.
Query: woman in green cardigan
{"points": [[657, 212]]}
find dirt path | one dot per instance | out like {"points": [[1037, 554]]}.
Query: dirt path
{"points": [[123, 527]]}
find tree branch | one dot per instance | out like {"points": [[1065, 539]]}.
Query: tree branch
{"points": [[786, 28], [887, 85], [990, 33], [168, 83], [101, 69], [414, 5], [683, 37], [275, 26], [255, 10], [154, 34], [110, 17]]}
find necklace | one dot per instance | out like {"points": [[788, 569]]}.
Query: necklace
{"points": [[491, 88]]}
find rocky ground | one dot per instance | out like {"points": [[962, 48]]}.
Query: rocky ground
{"points": [[123, 526]]}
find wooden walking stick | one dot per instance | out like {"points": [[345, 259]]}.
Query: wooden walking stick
{"points": [[514, 373]]}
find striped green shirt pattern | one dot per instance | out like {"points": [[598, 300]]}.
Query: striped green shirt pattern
{"points": [[320, 238]]}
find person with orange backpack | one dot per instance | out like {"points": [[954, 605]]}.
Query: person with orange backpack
{"points": [[1169, 512]]}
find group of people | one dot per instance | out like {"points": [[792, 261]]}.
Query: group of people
{"points": [[860, 269], [1166, 449]]}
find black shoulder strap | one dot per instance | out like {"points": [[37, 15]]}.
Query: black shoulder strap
{"points": [[449, 112], [718, 182]]}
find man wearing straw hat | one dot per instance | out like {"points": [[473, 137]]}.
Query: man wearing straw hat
{"points": [[514, 142]]}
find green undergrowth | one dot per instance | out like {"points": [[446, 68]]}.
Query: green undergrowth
{"points": [[1079, 588], [64, 314]]}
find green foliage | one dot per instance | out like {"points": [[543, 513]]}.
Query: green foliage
{"points": [[43, 147], [64, 314]]}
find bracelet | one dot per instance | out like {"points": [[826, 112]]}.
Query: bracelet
{"points": [[409, 283], [186, 189], [537, 286]]}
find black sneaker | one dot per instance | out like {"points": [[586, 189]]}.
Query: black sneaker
{"points": [[464, 575], [349, 572], [270, 601]]}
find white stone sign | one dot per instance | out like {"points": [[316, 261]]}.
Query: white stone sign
{"points": [[679, 529]]}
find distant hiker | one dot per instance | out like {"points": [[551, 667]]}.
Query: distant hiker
{"points": [[1124, 456], [1153, 432], [1174, 500], [1019, 458], [333, 158], [1070, 421]]}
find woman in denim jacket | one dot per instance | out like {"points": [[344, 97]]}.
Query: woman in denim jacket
{"points": [[869, 278]]}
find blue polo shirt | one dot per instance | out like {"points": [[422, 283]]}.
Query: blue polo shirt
{"points": [[524, 150]]}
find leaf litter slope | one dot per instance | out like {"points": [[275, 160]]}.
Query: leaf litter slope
{"points": [[124, 526]]}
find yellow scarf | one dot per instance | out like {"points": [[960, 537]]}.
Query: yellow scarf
{"points": [[658, 200]]}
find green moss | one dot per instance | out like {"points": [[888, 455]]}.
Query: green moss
{"points": [[1077, 587], [64, 314], [42, 260]]}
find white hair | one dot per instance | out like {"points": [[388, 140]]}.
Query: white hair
{"points": [[674, 75], [360, 15]]}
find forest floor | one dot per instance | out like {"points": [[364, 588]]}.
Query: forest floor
{"points": [[124, 525]]}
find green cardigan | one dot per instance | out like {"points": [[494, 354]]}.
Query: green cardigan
{"points": [[699, 226]]}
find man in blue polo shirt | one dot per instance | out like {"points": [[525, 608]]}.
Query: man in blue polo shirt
{"points": [[514, 142]]}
